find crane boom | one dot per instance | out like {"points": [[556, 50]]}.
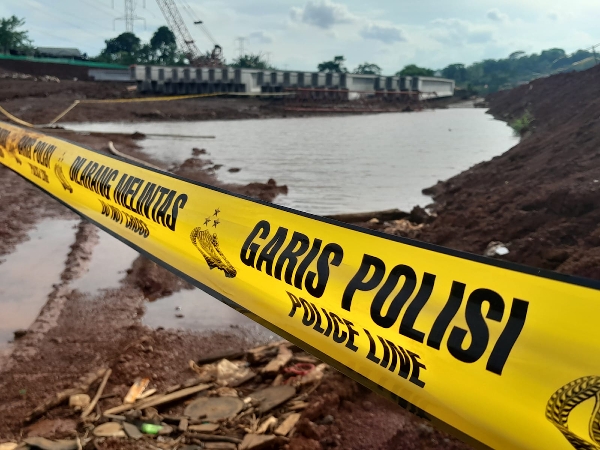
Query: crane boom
{"points": [[177, 25]]}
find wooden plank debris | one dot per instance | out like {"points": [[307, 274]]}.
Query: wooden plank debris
{"points": [[160, 399], [287, 425]]}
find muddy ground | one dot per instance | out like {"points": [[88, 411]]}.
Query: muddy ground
{"points": [[540, 198]]}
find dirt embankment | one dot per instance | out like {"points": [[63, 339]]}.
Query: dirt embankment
{"points": [[542, 197]]}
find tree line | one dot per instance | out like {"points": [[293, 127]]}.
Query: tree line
{"points": [[483, 77]]}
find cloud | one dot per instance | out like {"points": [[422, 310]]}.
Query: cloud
{"points": [[496, 16], [322, 14], [261, 37], [459, 32], [387, 34], [553, 16]]}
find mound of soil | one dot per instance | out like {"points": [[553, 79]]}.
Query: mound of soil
{"points": [[542, 197]]}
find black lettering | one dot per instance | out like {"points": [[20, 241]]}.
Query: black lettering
{"points": [[407, 326], [306, 262], [410, 282], [402, 358], [480, 334], [416, 368], [322, 274], [338, 337], [442, 321], [162, 192], [317, 326], [372, 348], [351, 333], [385, 360], [148, 197], [358, 282], [118, 192], [269, 251], [161, 217], [329, 323], [180, 202], [309, 316], [290, 255], [509, 336], [132, 186], [250, 248]]}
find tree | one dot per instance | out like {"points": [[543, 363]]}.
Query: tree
{"points": [[368, 69], [337, 65], [252, 61], [164, 46], [412, 70], [456, 72], [10, 38], [123, 49]]}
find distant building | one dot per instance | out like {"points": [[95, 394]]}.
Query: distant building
{"points": [[58, 52]]}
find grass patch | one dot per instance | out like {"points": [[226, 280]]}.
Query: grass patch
{"points": [[523, 124]]}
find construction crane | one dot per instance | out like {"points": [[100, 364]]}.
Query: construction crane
{"points": [[184, 38]]}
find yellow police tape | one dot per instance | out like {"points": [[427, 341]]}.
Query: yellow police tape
{"points": [[504, 355]]}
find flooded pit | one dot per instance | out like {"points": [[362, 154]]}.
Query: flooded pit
{"points": [[110, 261], [28, 274], [201, 312], [338, 164]]}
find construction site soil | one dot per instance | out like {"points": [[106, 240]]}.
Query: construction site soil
{"points": [[540, 199]]}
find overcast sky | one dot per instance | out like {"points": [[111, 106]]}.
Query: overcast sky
{"points": [[298, 34]]}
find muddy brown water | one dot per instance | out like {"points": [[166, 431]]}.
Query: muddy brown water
{"points": [[336, 164], [27, 274], [108, 266]]}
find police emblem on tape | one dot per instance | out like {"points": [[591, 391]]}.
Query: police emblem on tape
{"points": [[207, 243], [562, 403]]}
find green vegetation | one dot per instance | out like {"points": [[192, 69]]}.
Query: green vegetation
{"points": [[127, 49], [523, 124], [492, 75], [337, 65], [13, 39], [367, 69], [252, 61], [412, 70]]}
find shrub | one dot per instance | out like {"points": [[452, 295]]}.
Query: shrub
{"points": [[523, 124]]}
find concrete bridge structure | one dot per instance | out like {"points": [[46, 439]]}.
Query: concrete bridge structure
{"points": [[193, 80]]}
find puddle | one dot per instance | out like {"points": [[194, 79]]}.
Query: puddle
{"points": [[201, 312], [27, 274], [110, 260]]}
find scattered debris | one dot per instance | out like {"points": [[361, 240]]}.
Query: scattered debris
{"points": [[79, 401], [132, 431], [9, 446], [109, 429], [273, 396], [24, 76], [283, 357], [136, 390], [47, 444], [287, 425], [240, 400], [214, 408], [496, 248]]}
